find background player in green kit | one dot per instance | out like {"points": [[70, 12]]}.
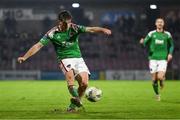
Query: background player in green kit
{"points": [[64, 37], [160, 44]]}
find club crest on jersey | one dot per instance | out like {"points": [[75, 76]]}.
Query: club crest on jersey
{"points": [[159, 42], [72, 34], [69, 66]]}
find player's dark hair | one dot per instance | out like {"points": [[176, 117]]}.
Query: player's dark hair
{"points": [[64, 15]]}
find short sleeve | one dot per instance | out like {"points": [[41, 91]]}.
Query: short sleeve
{"points": [[44, 40], [169, 35], [48, 36], [81, 29]]}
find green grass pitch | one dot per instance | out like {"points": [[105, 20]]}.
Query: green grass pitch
{"points": [[121, 99]]}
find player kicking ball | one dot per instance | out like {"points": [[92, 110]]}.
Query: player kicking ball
{"points": [[160, 44], [64, 37]]}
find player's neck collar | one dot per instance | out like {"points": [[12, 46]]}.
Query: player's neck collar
{"points": [[160, 31]]}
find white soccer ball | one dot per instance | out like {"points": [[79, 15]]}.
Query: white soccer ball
{"points": [[93, 94]]}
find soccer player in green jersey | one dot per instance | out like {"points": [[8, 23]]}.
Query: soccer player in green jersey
{"points": [[160, 45], [64, 37]]}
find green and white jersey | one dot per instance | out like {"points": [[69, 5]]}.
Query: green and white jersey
{"points": [[65, 42], [160, 44]]}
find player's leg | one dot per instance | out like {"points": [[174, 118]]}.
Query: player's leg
{"points": [[161, 78], [153, 70], [72, 90], [82, 79], [67, 68], [70, 83], [82, 76], [162, 66], [155, 86], [155, 83]]}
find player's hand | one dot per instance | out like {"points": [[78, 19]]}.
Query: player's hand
{"points": [[21, 59], [169, 57], [141, 41], [107, 31]]}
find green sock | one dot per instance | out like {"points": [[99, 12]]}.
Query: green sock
{"points": [[155, 87], [73, 91], [72, 106]]}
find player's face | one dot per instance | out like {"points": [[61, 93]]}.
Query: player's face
{"points": [[159, 23], [64, 25]]}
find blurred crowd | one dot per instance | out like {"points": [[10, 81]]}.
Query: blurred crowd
{"points": [[121, 50]]}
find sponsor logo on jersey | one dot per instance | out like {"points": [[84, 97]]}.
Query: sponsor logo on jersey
{"points": [[58, 37], [159, 42], [66, 44]]}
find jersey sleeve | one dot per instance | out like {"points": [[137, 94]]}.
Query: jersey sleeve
{"points": [[81, 29], [171, 44], [48, 36], [147, 39], [45, 40]]}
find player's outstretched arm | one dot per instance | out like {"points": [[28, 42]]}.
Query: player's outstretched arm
{"points": [[98, 30], [34, 49]]}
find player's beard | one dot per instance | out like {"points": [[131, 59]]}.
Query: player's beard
{"points": [[63, 26]]}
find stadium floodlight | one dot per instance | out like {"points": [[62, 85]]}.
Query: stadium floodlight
{"points": [[153, 6], [75, 5]]}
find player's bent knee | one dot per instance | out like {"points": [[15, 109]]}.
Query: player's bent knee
{"points": [[84, 84], [161, 77]]}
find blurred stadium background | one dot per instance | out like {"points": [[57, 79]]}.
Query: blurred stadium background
{"points": [[23, 23]]}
